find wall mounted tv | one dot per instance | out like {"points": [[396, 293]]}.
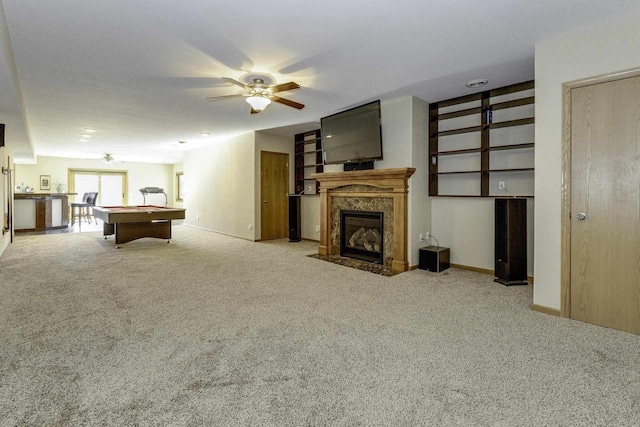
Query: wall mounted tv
{"points": [[352, 136]]}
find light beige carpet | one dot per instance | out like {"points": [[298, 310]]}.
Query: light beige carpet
{"points": [[212, 330]]}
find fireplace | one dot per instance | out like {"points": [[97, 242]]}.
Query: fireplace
{"points": [[362, 235], [379, 190]]}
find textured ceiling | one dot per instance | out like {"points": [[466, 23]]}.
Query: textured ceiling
{"points": [[138, 71]]}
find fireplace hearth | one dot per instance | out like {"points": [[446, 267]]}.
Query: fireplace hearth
{"points": [[362, 235]]}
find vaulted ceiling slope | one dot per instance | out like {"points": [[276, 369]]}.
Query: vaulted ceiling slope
{"points": [[139, 71]]}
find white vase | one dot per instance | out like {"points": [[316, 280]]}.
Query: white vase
{"points": [[61, 188]]}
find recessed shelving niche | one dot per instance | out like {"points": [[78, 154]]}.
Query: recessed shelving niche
{"points": [[308, 155], [478, 140]]}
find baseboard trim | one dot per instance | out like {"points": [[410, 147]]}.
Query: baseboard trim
{"points": [[412, 267], [476, 269], [311, 240], [219, 232], [546, 310], [484, 271]]}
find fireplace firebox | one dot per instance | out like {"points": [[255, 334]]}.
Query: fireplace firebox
{"points": [[362, 235]]}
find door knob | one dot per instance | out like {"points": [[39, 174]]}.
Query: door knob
{"points": [[264, 201], [581, 216]]}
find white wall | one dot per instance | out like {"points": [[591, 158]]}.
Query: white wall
{"points": [[467, 226], [420, 204], [310, 217], [573, 57], [221, 186], [277, 144], [138, 175]]}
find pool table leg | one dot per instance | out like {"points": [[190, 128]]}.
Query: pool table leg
{"points": [[107, 229]]}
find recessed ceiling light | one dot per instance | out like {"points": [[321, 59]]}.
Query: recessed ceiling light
{"points": [[85, 135], [473, 84], [90, 130], [204, 133], [82, 139]]}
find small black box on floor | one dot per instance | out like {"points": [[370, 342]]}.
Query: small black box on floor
{"points": [[434, 258]]}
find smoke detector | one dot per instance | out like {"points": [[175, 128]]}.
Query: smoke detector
{"points": [[474, 84]]}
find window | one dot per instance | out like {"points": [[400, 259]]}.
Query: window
{"points": [[110, 185], [179, 186]]}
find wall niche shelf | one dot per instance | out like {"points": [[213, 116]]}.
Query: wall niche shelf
{"points": [[308, 158], [478, 141]]}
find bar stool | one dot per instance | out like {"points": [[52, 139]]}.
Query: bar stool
{"points": [[80, 209], [91, 202]]}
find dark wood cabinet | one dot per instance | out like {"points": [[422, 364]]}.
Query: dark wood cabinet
{"points": [[511, 241], [477, 141], [308, 158]]}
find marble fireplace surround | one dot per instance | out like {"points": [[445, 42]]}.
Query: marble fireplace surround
{"points": [[378, 190]]}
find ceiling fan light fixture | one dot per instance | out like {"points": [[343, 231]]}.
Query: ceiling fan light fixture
{"points": [[258, 103]]}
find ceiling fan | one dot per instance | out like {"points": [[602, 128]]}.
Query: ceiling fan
{"points": [[259, 94], [108, 159]]}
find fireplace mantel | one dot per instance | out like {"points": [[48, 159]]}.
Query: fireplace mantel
{"points": [[366, 184]]}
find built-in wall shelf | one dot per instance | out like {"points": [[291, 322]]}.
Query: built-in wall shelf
{"points": [[308, 157], [479, 141]]}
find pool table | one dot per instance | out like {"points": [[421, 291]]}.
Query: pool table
{"points": [[135, 222]]}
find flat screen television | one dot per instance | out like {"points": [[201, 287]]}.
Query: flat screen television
{"points": [[352, 136]]}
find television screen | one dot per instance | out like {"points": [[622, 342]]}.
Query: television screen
{"points": [[354, 135]]}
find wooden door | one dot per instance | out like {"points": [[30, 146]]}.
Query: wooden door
{"points": [[274, 189], [605, 204]]}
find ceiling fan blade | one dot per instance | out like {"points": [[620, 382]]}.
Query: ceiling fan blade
{"points": [[235, 82], [220, 98], [287, 102], [254, 111], [284, 86]]}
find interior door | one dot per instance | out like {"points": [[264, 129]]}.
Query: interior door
{"points": [[605, 204], [274, 189]]}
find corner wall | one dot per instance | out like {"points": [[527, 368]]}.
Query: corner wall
{"points": [[608, 49], [276, 144], [221, 186], [405, 143]]}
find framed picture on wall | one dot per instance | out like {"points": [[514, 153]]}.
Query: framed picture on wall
{"points": [[45, 182]]}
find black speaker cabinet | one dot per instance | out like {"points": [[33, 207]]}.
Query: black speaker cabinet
{"points": [[2, 135], [511, 242], [433, 258], [295, 231]]}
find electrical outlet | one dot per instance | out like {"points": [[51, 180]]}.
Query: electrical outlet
{"points": [[501, 185], [317, 228], [421, 237]]}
